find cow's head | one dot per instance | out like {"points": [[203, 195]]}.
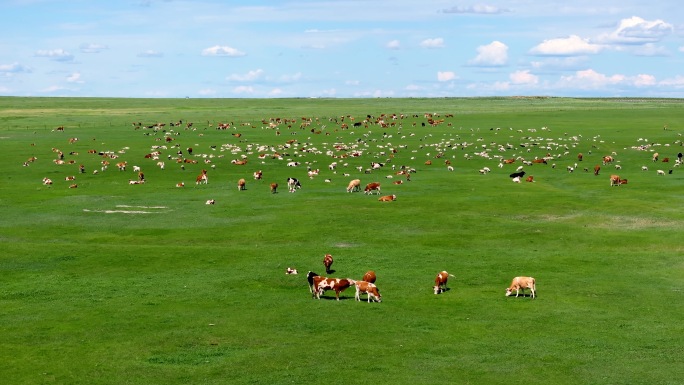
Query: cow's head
{"points": [[508, 291], [437, 289]]}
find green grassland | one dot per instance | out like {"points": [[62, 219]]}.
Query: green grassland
{"points": [[112, 283]]}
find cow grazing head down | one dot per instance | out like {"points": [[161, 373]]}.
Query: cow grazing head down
{"points": [[293, 184], [327, 262], [368, 288], [441, 282], [520, 284]]}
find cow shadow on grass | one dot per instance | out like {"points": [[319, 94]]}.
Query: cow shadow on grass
{"points": [[332, 298], [331, 271]]}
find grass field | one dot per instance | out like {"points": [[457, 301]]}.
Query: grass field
{"points": [[112, 283]]}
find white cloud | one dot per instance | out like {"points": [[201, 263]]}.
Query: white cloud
{"points": [[677, 82], [445, 76], [249, 76], [478, 8], [590, 79], [651, 49], [432, 43], [56, 54], [570, 46], [74, 78], [643, 80], [275, 92], [243, 90], [151, 53], [636, 30], [291, 78], [14, 68], [394, 44], [493, 54], [222, 51], [523, 77], [92, 47]]}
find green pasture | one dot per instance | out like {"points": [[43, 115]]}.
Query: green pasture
{"points": [[113, 283]]}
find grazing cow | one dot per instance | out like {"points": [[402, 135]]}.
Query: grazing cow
{"points": [[615, 180], [655, 156], [321, 284], [441, 282], [370, 187], [274, 188], [202, 178], [509, 161], [258, 175], [579, 157], [597, 168], [241, 184], [520, 284], [387, 198], [210, 202], [542, 160], [607, 159], [644, 168], [122, 166], [368, 288], [327, 262], [354, 185], [293, 184], [517, 174], [660, 172], [369, 276], [291, 271], [666, 160]]}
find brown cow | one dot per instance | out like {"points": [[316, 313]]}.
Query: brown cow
{"points": [[580, 156], [274, 188], [354, 185], [520, 284], [202, 178], [370, 187], [529, 178], [607, 159], [441, 282], [363, 287], [597, 168], [369, 276], [241, 184], [327, 262], [388, 198]]}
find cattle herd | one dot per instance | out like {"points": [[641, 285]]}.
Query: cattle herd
{"points": [[318, 284]]}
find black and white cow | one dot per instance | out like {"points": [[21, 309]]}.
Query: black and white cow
{"points": [[293, 184]]}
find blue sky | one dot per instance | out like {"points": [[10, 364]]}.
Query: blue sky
{"points": [[341, 48]]}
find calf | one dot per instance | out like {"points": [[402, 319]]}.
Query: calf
{"points": [[441, 282], [615, 180], [520, 284], [371, 187], [388, 198], [291, 271], [327, 262], [368, 288]]}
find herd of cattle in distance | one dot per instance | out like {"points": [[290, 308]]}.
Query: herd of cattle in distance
{"points": [[318, 284], [293, 151]]}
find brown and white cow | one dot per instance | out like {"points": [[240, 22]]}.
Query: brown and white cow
{"points": [[242, 184], [615, 180], [520, 284], [371, 187], [388, 198], [354, 185], [274, 188], [327, 262], [322, 284], [369, 276], [258, 175], [441, 282], [368, 288], [202, 178], [607, 159]]}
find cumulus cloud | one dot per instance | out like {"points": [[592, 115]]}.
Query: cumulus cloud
{"points": [[151, 53], [676, 82], [590, 79], [523, 77], [483, 9], [643, 80], [249, 76], [569, 46], [394, 44], [14, 68], [92, 47], [493, 54], [636, 30], [651, 49], [55, 54], [218, 50], [432, 43], [446, 76]]}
